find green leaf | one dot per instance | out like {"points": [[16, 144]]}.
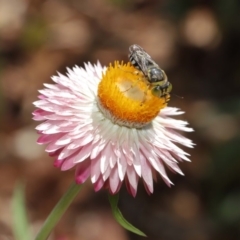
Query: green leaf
{"points": [[113, 199], [20, 222]]}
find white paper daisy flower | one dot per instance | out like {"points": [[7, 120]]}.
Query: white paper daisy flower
{"points": [[107, 124]]}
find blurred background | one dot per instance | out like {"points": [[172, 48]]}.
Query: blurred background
{"points": [[196, 42]]}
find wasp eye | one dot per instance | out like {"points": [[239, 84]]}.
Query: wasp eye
{"points": [[169, 88], [157, 91]]}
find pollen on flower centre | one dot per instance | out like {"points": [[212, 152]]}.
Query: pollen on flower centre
{"points": [[125, 97]]}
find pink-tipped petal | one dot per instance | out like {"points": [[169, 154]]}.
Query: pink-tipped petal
{"points": [[82, 172], [98, 184], [114, 180], [95, 169], [147, 174], [133, 180], [57, 163]]}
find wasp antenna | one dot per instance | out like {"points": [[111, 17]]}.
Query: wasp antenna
{"points": [[177, 96]]}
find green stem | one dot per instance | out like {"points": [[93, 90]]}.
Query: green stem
{"points": [[58, 211]]}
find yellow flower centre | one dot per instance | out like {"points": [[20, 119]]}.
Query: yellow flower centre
{"points": [[125, 96]]}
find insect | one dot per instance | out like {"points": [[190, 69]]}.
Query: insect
{"points": [[157, 79]]}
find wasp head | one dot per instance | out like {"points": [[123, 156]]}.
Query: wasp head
{"points": [[162, 90]]}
